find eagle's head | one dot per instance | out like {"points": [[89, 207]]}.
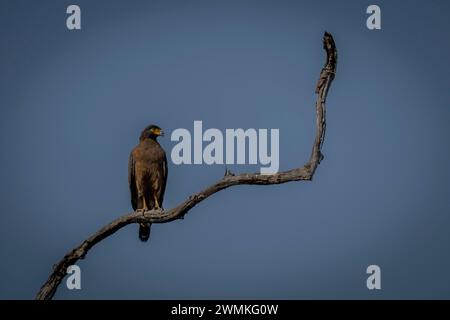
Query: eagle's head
{"points": [[151, 132]]}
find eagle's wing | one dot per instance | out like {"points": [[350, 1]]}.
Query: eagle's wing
{"points": [[132, 182], [163, 180]]}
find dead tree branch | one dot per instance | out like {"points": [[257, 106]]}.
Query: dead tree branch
{"points": [[302, 173]]}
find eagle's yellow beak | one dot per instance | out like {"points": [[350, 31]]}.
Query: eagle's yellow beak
{"points": [[158, 132]]}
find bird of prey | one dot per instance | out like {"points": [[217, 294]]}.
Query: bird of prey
{"points": [[147, 175]]}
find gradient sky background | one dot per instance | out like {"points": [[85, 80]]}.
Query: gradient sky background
{"points": [[73, 105]]}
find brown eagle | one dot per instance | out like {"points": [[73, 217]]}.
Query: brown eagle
{"points": [[147, 175]]}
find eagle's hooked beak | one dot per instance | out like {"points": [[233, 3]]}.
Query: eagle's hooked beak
{"points": [[157, 131]]}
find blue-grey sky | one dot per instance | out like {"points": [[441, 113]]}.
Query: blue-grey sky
{"points": [[74, 102]]}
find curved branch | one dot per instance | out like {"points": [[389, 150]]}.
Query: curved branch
{"points": [[303, 173]]}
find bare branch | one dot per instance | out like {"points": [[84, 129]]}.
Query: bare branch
{"points": [[302, 173]]}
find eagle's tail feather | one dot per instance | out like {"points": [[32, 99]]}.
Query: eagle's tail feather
{"points": [[144, 231]]}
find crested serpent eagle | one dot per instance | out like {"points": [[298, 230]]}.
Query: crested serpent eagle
{"points": [[147, 175]]}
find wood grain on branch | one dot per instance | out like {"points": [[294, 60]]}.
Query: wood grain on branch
{"points": [[305, 173]]}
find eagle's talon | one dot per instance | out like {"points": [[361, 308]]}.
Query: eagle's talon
{"points": [[141, 211]]}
